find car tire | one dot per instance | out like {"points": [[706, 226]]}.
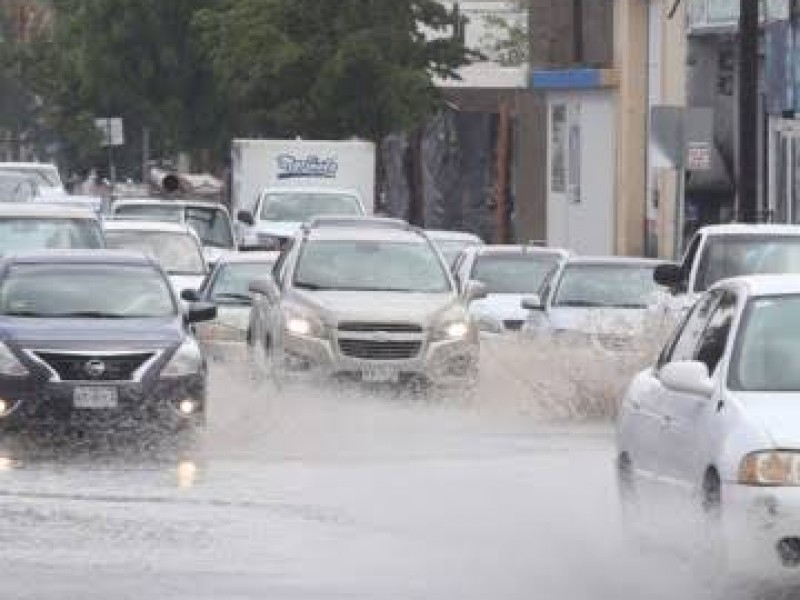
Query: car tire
{"points": [[712, 555]]}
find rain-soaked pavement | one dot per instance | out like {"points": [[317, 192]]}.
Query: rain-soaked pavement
{"points": [[329, 494]]}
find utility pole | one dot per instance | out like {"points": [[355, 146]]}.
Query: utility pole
{"points": [[748, 111]]}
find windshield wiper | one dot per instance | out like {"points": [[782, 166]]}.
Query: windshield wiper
{"points": [[582, 304], [307, 285], [24, 313], [233, 296], [88, 314]]}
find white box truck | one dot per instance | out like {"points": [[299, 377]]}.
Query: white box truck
{"points": [[280, 184]]}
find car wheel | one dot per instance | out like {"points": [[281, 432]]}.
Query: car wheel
{"points": [[712, 553]]}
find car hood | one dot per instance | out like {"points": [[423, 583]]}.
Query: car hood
{"points": [[77, 333], [375, 307], [279, 229], [598, 320], [500, 307], [777, 413]]}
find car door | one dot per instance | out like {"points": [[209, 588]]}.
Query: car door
{"points": [[687, 414], [273, 313], [644, 414]]}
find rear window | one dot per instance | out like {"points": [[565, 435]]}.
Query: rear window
{"points": [[21, 234]]}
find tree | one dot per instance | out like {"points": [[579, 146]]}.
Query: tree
{"points": [[136, 59], [330, 69]]}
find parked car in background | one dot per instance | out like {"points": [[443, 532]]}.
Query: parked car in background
{"points": [[17, 187], [376, 303], [713, 426], [44, 175], [607, 300], [174, 245], [34, 226], [211, 221], [228, 287], [452, 243], [510, 274], [96, 338], [720, 252]]}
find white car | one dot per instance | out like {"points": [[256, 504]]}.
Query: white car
{"points": [[510, 274], [715, 424], [174, 245], [210, 220], [720, 252], [44, 175], [452, 243], [609, 300]]}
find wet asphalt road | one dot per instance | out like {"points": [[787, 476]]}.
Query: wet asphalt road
{"points": [[327, 493]]}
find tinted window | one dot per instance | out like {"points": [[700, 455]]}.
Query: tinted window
{"points": [[513, 273], [685, 344], [212, 226], [733, 256], [715, 336], [178, 253], [767, 357], [371, 266], [607, 286], [106, 291], [19, 234], [300, 207]]}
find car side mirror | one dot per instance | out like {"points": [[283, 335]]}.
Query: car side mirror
{"points": [[245, 216], [265, 286], [688, 377], [670, 275], [190, 295], [474, 290], [532, 303], [200, 312]]}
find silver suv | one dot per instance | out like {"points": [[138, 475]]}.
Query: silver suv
{"points": [[368, 298]]}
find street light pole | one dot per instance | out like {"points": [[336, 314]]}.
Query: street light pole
{"points": [[748, 111]]}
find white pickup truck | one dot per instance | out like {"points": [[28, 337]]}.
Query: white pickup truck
{"points": [[720, 252]]}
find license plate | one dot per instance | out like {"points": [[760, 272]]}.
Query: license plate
{"points": [[380, 376], [95, 398]]}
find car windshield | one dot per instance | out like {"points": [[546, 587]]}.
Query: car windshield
{"points": [[212, 225], [15, 189], [231, 284], [607, 286], [178, 253], [85, 291], [371, 266], [513, 273], [767, 356], [300, 206], [450, 249], [150, 212], [19, 234], [734, 256], [44, 176]]}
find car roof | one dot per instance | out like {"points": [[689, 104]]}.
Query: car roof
{"points": [[763, 285], [25, 165], [248, 257], [46, 210], [751, 229], [158, 226], [367, 234], [86, 257], [501, 249], [445, 235], [183, 203], [621, 261]]}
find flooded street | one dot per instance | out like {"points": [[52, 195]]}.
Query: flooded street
{"points": [[334, 493]]}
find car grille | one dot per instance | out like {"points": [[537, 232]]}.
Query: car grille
{"points": [[380, 350], [87, 367], [513, 325], [380, 327]]}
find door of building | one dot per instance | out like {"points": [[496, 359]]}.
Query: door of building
{"points": [[784, 170]]}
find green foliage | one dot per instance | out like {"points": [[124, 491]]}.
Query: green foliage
{"points": [[330, 69], [508, 39]]}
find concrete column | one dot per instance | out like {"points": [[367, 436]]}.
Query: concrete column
{"points": [[630, 50]]}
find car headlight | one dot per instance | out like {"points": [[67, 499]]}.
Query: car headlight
{"points": [[187, 360], [770, 468], [9, 363], [303, 325], [454, 326]]}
